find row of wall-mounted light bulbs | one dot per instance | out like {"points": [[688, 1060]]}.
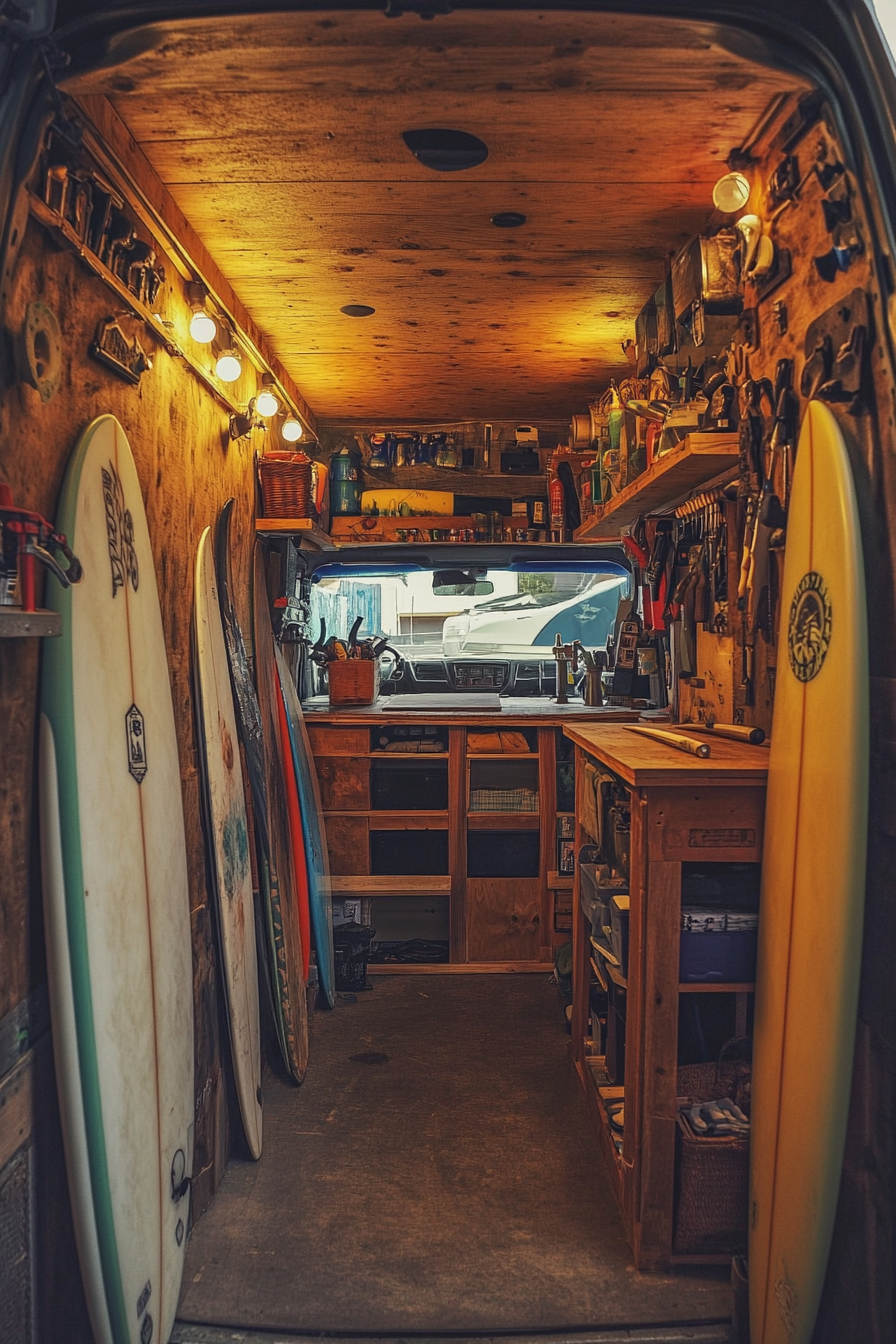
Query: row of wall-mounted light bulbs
{"points": [[228, 367]]}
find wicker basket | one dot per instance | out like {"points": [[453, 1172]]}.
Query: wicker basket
{"points": [[286, 485], [713, 1172], [353, 681], [712, 1193]]}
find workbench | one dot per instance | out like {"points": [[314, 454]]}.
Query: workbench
{"points": [[684, 809]]}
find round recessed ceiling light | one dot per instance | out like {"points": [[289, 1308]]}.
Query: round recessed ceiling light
{"points": [[357, 310], [508, 219], [446, 151]]}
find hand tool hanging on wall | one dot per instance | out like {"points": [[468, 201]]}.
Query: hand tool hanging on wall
{"points": [[25, 539]]}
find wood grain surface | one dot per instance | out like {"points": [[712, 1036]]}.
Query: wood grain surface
{"points": [[292, 171]]}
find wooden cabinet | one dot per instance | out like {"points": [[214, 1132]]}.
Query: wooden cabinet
{"points": [[683, 810], [447, 821]]}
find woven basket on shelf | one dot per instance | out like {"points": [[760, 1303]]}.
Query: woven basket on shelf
{"points": [[713, 1172], [286, 485]]}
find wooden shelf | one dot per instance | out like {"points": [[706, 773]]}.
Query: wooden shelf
{"points": [[379, 528], [716, 987], [560, 881], [697, 459], [18, 624], [401, 755], [460, 968], [598, 970], [422, 885], [608, 961], [301, 527], [502, 756], [503, 821], [379, 813], [163, 335]]}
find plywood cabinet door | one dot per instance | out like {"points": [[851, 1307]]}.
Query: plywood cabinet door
{"points": [[344, 783], [503, 918]]}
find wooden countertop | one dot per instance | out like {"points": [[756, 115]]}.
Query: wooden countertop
{"points": [[451, 709], [640, 760]]}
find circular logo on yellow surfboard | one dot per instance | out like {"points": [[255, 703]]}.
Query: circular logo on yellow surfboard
{"points": [[809, 630]]}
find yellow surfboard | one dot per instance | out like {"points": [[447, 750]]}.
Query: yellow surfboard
{"points": [[813, 884]]}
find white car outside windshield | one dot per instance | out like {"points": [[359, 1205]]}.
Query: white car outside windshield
{"points": [[522, 613]]}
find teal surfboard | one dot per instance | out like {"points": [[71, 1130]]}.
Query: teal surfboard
{"points": [[316, 860], [116, 904]]}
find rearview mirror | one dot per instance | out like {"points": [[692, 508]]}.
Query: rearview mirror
{"points": [[459, 583]]}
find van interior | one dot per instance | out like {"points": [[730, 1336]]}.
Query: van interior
{"points": [[539, 299]]}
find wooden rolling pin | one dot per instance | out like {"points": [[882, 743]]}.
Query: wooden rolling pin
{"points": [[736, 731], [676, 740]]}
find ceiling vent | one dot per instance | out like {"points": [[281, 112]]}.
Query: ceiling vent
{"points": [[446, 151]]}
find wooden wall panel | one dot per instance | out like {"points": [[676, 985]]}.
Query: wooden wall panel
{"points": [[348, 846], [344, 783], [503, 918], [187, 468]]}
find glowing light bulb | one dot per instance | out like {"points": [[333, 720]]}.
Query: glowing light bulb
{"points": [[202, 327], [266, 403], [731, 193], [228, 368], [292, 430]]}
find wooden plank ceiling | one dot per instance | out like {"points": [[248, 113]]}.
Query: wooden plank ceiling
{"points": [[280, 138]]}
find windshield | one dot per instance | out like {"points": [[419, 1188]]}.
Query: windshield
{"points": [[509, 614]]}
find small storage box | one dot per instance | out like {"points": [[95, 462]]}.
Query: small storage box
{"points": [[725, 957], [353, 681]]}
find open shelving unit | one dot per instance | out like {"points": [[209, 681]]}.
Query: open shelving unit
{"points": [[696, 461], [683, 809], [497, 867]]}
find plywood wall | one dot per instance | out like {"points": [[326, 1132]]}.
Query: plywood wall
{"points": [[187, 468]]}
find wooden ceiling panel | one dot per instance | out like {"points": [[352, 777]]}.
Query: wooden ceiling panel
{"points": [[279, 136], [225, 137]]}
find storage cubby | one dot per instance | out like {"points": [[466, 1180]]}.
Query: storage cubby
{"points": [[410, 739], [501, 741], [403, 784], [503, 853], [399, 919], [566, 774], [503, 785], [408, 852]]}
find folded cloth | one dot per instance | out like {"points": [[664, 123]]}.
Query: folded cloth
{"points": [[503, 800], [483, 741], [716, 1118]]}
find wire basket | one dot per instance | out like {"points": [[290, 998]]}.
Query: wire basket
{"points": [[286, 485]]}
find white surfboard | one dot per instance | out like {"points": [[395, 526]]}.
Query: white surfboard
{"points": [[116, 904], [813, 890], [228, 843]]}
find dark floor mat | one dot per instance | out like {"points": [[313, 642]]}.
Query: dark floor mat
{"points": [[435, 1172]]}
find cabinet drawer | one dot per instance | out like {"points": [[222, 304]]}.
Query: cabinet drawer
{"points": [[329, 740], [718, 825]]}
